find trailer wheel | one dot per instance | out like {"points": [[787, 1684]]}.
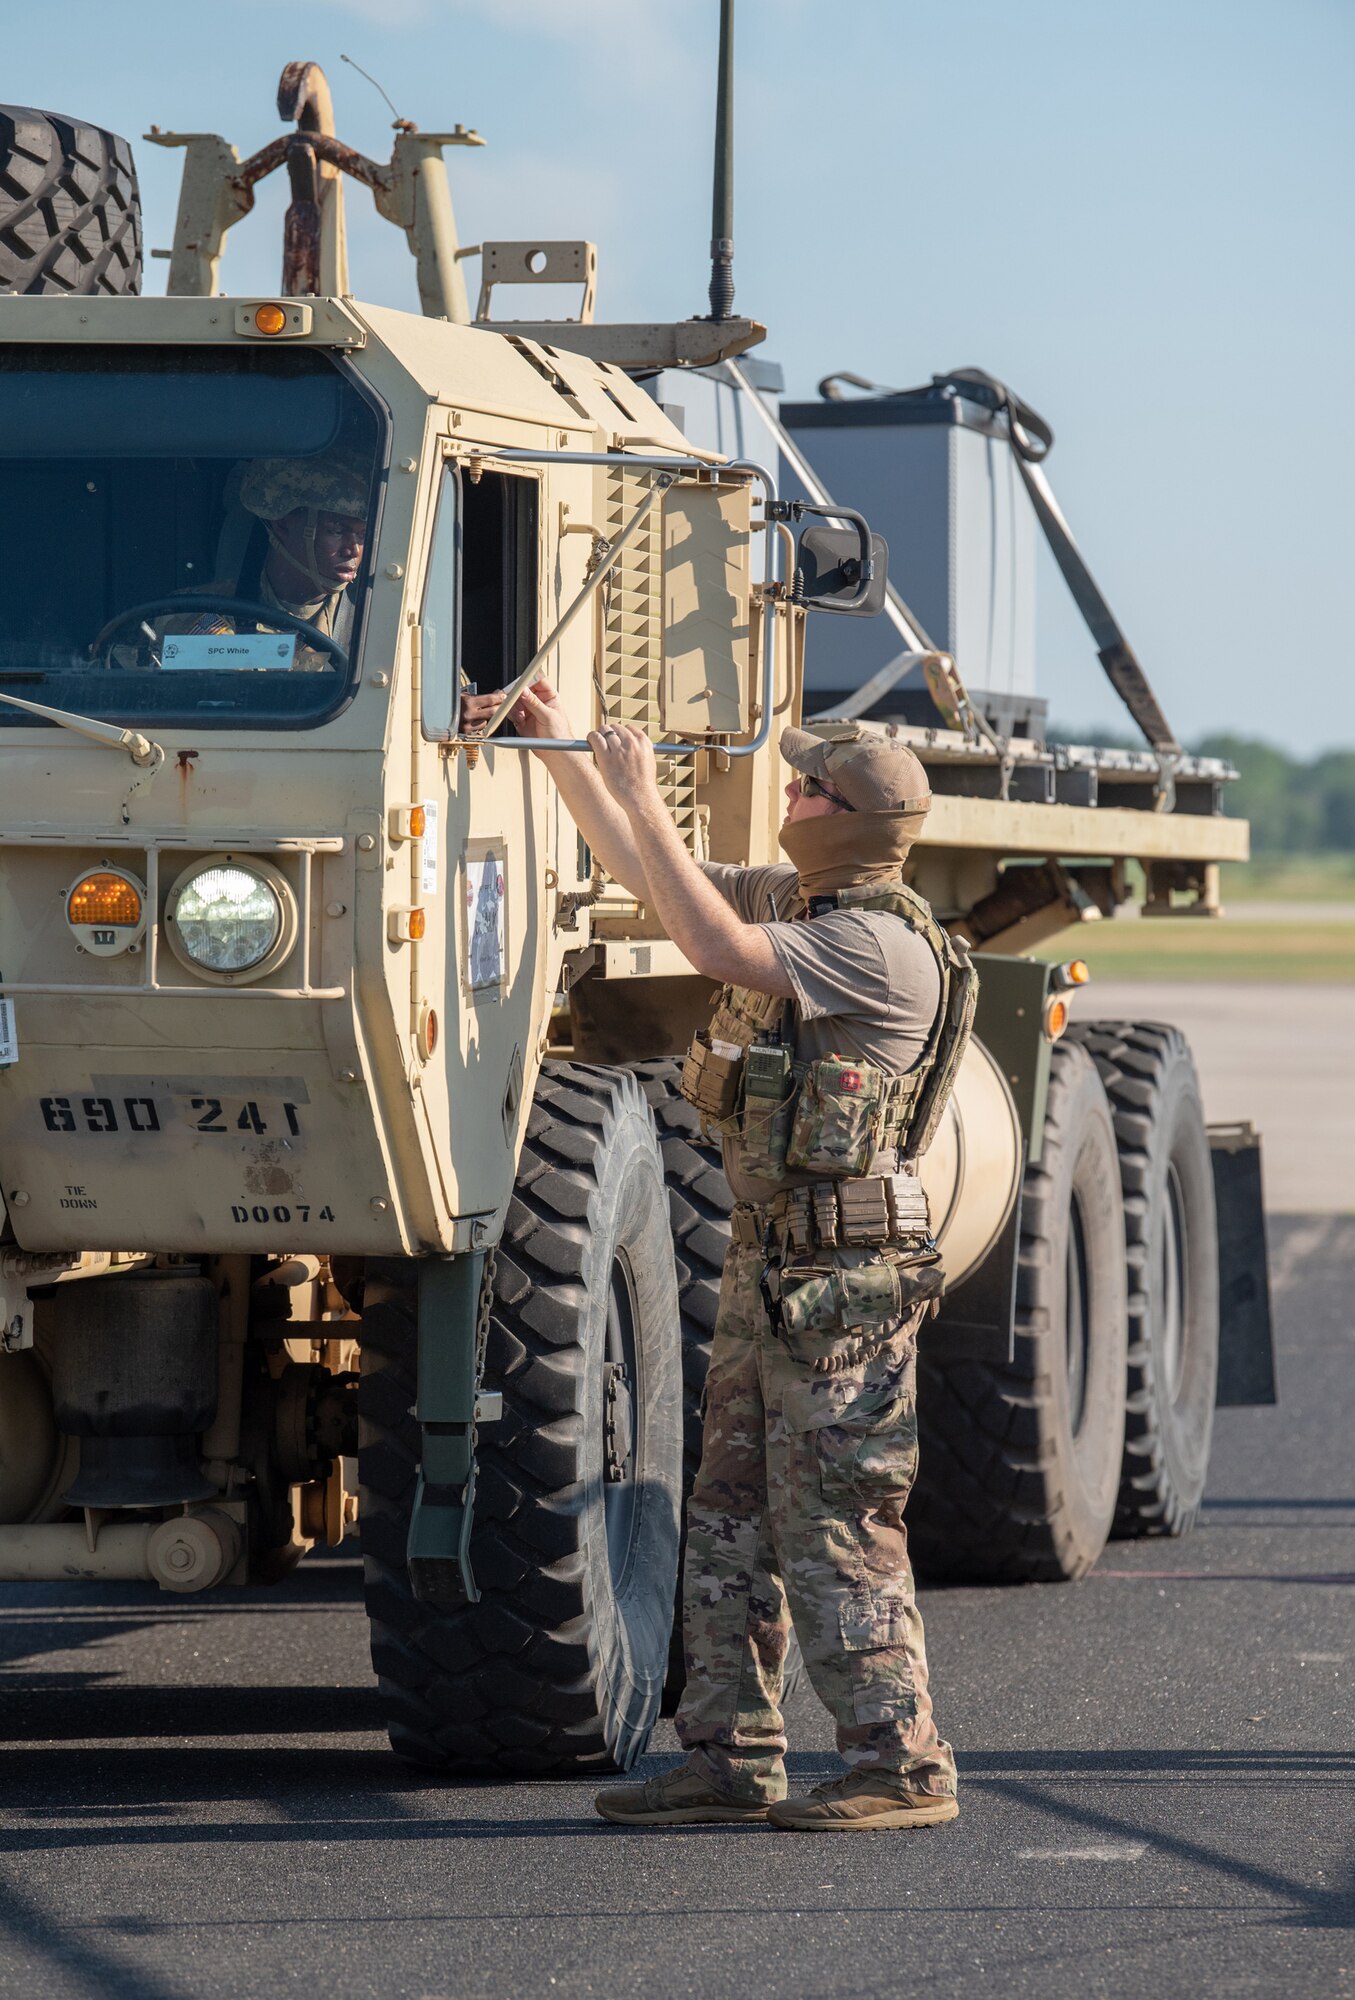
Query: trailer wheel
{"points": [[1171, 1245], [1019, 1463], [560, 1666], [70, 215]]}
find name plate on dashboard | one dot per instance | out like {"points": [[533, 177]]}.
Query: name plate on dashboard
{"points": [[195, 652]]}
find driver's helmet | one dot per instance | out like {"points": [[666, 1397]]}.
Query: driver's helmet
{"points": [[333, 483]]}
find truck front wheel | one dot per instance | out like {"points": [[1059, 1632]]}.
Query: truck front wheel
{"points": [[560, 1666]]}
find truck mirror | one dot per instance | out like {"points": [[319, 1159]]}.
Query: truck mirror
{"points": [[842, 569], [836, 569]]}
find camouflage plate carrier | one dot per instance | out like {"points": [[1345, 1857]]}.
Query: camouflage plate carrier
{"points": [[834, 1118]]}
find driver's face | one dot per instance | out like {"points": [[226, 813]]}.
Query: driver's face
{"points": [[339, 542]]}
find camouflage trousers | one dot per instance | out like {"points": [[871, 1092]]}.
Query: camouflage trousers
{"points": [[797, 1513]]}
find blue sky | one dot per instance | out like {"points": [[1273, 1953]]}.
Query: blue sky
{"points": [[1138, 214]]}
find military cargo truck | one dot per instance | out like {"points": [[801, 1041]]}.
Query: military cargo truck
{"points": [[347, 1185]]}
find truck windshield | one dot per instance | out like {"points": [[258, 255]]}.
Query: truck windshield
{"points": [[186, 533]]}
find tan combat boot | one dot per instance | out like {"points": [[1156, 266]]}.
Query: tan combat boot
{"points": [[678, 1798], [862, 1802]]}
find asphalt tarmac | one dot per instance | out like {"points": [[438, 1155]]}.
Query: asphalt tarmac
{"points": [[1156, 1778], [1282, 1056]]}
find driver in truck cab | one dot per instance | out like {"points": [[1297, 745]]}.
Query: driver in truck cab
{"points": [[844, 1012], [315, 513]]}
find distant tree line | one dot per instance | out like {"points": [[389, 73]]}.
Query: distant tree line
{"points": [[1294, 808]]}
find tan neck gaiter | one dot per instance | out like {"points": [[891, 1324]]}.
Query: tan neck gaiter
{"points": [[850, 849]]}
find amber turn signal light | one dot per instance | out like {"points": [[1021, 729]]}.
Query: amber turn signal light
{"points": [[270, 319], [408, 822], [1055, 1017], [1074, 972], [104, 898]]}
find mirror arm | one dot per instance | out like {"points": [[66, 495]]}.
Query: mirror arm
{"points": [[795, 510]]}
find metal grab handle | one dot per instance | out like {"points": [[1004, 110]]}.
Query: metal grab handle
{"points": [[628, 462]]}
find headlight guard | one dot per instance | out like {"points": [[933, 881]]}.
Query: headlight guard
{"points": [[231, 919]]}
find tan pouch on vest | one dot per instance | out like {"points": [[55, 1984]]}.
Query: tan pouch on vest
{"points": [[712, 1070], [710, 1077]]}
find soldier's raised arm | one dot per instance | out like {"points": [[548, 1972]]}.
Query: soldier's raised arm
{"points": [[539, 711]]}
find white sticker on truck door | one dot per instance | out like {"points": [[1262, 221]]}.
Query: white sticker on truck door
{"points": [[429, 876], [484, 919]]}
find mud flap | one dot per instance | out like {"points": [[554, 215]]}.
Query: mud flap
{"points": [[1246, 1335], [438, 1552]]}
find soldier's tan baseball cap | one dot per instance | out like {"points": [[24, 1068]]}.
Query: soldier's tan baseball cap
{"points": [[873, 772]]}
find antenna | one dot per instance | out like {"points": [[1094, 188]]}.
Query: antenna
{"points": [[400, 122], [722, 202]]}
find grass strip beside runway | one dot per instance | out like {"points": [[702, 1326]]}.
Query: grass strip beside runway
{"points": [[1223, 948]]}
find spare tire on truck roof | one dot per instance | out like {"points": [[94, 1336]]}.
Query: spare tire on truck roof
{"points": [[70, 210]]}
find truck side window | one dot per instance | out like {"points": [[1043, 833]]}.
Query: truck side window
{"points": [[438, 618], [479, 604], [499, 577]]}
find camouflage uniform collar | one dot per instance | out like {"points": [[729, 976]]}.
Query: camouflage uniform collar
{"points": [[313, 609]]}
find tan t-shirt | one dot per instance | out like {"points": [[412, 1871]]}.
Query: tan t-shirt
{"points": [[866, 985]]}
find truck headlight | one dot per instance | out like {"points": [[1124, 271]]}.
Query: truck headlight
{"points": [[231, 919]]}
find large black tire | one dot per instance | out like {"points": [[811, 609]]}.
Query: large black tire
{"points": [[1019, 1463], [560, 1666], [70, 213], [699, 1205], [1171, 1248]]}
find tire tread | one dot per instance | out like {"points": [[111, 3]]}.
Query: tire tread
{"points": [[988, 1506], [1134, 1059], [510, 1684], [70, 210]]}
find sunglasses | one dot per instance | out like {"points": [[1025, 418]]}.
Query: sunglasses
{"points": [[814, 788]]}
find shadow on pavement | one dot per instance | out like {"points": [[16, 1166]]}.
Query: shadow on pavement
{"points": [[77, 1955], [1326, 1908], [78, 1709]]}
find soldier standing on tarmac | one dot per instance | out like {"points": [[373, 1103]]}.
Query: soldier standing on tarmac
{"points": [[814, 1071]]}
